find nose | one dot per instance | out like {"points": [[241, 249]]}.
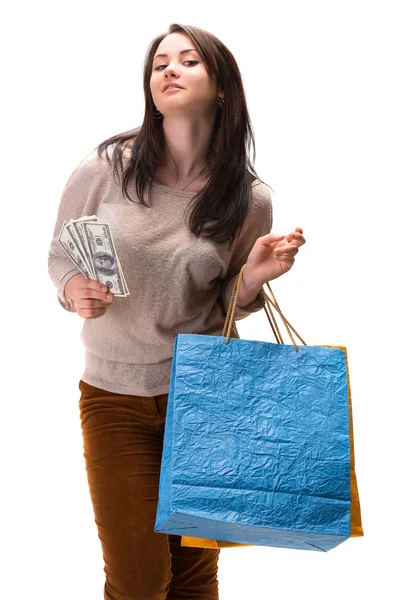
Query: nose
{"points": [[170, 72]]}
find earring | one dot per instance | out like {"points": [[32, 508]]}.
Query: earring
{"points": [[220, 102], [156, 114]]}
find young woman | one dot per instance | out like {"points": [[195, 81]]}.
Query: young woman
{"points": [[191, 152]]}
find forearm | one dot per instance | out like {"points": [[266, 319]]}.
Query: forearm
{"points": [[248, 290]]}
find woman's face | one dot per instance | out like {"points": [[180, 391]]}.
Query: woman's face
{"points": [[198, 93]]}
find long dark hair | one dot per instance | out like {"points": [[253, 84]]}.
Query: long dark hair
{"points": [[221, 206]]}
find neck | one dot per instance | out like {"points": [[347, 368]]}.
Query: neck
{"points": [[188, 142]]}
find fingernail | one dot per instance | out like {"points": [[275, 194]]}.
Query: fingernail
{"points": [[103, 288]]}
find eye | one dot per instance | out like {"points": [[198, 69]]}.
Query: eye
{"points": [[187, 61]]}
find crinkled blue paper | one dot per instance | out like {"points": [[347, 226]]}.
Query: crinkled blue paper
{"points": [[256, 445]]}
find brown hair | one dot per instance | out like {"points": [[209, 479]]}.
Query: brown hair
{"points": [[220, 208]]}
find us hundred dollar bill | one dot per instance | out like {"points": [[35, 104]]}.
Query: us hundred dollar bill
{"points": [[76, 225], [75, 235], [73, 252], [84, 251], [103, 256]]}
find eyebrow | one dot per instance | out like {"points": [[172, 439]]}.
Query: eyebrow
{"points": [[181, 52]]}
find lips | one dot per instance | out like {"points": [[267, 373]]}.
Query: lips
{"points": [[173, 85]]}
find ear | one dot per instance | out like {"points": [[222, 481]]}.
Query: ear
{"points": [[220, 91]]}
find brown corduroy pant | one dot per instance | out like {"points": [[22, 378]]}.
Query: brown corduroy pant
{"points": [[123, 442]]}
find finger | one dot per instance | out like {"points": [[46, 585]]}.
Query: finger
{"points": [[270, 238], [93, 303], [92, 284], [287, 251], [295, 244], [89, 293], [93, 313], [297, 237], [99, 315], [285, 257], [89, 310]]}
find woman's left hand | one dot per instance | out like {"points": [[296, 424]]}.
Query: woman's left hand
{"points": [[272, 256]]}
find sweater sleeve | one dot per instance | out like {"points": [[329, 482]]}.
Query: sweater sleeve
{"points": [[79, 197], [258, 222]]}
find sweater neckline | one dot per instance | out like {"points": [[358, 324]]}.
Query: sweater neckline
{"points": [[169, 190], [164, 188]]}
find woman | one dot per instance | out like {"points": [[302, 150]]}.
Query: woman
{"points": [[193, 145]]}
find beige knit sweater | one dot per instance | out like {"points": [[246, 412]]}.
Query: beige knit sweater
{"points": [[178, 283]]}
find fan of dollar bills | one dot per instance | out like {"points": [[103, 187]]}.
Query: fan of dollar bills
{"points": [[89, 245]]}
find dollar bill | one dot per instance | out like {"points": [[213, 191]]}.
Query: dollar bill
{"points": [[83, 238], [72, 251], [74, 233], [89, 244]]}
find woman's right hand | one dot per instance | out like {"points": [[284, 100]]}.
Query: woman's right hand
{"points": [[89, 299]]}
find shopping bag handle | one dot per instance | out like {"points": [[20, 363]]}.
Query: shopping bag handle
{"points": [[230, 324]]}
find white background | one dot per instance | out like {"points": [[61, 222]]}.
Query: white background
{"points": [[324, 84]]}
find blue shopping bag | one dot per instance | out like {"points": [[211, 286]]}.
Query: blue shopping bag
{"points": [[257, 447]]}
